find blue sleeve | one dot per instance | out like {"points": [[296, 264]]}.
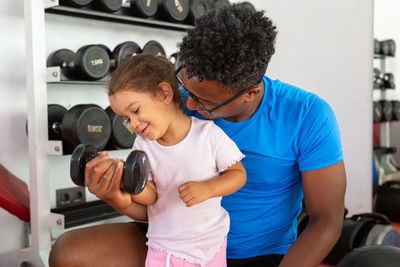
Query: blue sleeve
{"points": [[319, 138]]}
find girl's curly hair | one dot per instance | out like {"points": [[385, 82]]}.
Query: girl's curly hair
{"points": [[232, 44]]}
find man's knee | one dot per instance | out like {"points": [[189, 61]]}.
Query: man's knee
{"points": [[63, 252]]}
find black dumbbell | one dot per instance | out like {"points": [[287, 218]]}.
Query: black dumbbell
{"points": [[153, 47], [377, 46], [109, 6], [173, 10], [124, 51], [174, 59], [388, 81], [196, 9], [378, 113], [215, 4], [90, 62], [365, 229], [88, 124], [387, 110], [135, 171], [388, 47], [377, 78], [122, 136], [248, 5], [76, 3], [396, 110], [144, 8]]}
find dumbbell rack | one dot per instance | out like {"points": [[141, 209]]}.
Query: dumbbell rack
{"points": [[39, 147], [385, 160]]}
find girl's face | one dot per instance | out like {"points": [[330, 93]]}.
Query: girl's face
{"points": [[147, 114]]}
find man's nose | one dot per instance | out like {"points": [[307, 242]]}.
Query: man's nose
{"points": [[191, 104]]}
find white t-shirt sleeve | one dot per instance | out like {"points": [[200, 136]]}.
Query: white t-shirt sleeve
{"points": [[225, 151]]}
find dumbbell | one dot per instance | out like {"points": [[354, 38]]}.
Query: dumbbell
{"points": [[144, 8], [122, 136], [388, 81], [377, 46], [387, 110], [124, 51], [396, 110], [196, 9], [378, 113], [215, 4], [248, 5], [85, 123], [103, 5], [174, 59], [378, 80], [90, 62], [388, 47], [388, 199], [153, 47], [365, 229], [173, 10], [135, 171]]}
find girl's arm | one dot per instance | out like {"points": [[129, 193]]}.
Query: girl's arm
{"points": [[148, 196], [230, 181]]}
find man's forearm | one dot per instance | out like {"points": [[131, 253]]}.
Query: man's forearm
{"points": [[306, 251]]}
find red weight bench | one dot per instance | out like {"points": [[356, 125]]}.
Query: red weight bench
{"points": [[14, 195]]}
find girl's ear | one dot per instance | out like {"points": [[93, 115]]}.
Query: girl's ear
{"points": [[166, 93]]}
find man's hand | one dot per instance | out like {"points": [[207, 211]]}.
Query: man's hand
{"points": [[194, 192], [103, 178]]}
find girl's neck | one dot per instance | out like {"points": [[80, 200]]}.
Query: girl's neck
{"points": [[177, 130]]}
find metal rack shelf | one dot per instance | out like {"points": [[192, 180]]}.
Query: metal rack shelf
{"points": [[55, 75], [122, 16]]}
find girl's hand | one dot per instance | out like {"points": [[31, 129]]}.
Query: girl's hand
{"points": [[194, 192], [103, 178]]}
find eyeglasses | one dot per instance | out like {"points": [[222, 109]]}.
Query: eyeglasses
{"points": [[196, 99]]}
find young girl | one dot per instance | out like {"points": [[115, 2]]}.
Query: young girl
{"points": [[193, 164]]}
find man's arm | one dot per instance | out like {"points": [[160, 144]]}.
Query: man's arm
{"points": [[324, 191], [103, 177]]}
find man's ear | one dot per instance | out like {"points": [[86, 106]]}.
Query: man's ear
{"points": [[250, 95], [166, 93]]}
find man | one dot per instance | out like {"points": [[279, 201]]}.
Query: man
{"points": [[290, 138]]}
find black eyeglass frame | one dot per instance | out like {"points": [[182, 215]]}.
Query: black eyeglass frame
{"points": [[196, 99]]}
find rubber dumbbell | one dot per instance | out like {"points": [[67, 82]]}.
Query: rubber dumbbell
{"points": [[387, 110], [135, 171], [85, 123], [388, 47], [124, 51], [174, 59], [109, 6], [143, 8], [173, 10], [396, 110], [377, 78], [90, 62], [388, 81], [378, 113], [248, 5], [365, 229], [215, 4], [122, 136], [76, 3], [153, 47], [197, 8]]}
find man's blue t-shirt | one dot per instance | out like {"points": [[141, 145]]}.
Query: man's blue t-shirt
{"points": [[291, 131]]}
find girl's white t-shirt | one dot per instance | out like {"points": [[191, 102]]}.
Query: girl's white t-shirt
{"points": [[194, 233]]}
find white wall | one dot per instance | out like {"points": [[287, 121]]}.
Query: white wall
{"points": [[323, 46], [386, 26]]}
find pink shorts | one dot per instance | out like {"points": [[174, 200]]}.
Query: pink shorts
{"points": [[156, 258]]}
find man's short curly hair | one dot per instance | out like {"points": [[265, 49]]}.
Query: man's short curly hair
{"points": [[232, 44]]}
